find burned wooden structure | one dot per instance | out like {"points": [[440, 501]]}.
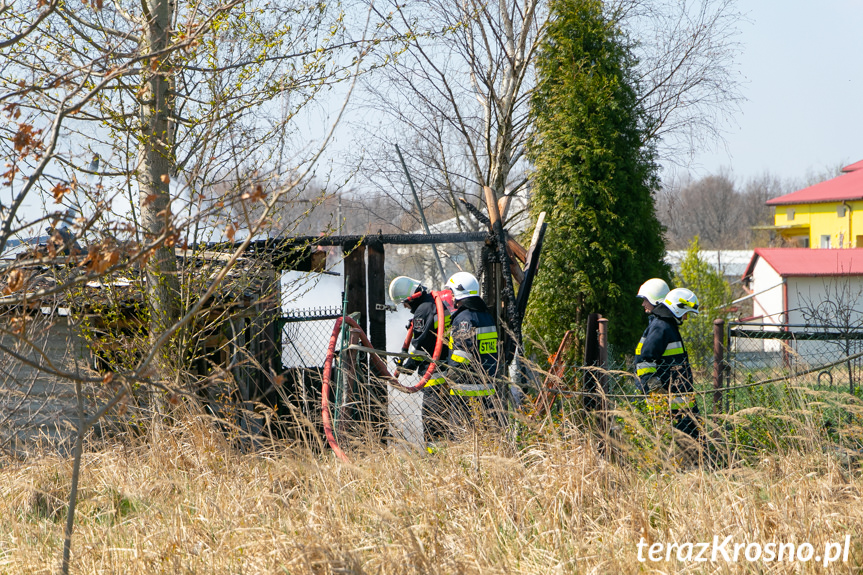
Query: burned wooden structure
{"points": [[236, 362], [504, 264]]}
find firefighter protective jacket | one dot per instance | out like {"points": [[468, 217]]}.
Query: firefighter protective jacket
{"points": [[661, 354], [650, 318], [473, 344], [424, 325]]}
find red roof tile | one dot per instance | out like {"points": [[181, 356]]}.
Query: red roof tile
{"points": [[848, 186], [809, 262]]}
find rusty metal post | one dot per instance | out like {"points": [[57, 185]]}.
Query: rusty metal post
{"points": [[603, 354], [718, 363], [602, 388]]}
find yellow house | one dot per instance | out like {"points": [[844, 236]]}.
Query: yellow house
{"points": [[826, 215]]}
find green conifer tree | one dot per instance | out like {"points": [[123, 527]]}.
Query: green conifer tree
{"points": [[594, 174], [713, 294]]}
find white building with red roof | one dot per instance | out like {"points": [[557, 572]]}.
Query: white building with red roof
{"points": [[795, 285]]}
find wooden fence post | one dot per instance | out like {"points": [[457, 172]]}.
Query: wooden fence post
{"points": [[603, 354], [591, 359]]}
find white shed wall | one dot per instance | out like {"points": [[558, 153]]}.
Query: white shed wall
{"points": [[767, 283], [833, 297]]}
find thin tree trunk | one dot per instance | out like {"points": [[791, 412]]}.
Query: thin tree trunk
{"points": [[76, 474], [155, 166]]}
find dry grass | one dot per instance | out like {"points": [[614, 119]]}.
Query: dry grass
{"points": [[185, 502]]}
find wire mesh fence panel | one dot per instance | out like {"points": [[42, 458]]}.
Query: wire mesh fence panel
{"points": [[455, 400], [821, 358], [772, 387], [405, 410], [362, 404], [780, 375], [304, 338], [779, 383], [775, 387]]}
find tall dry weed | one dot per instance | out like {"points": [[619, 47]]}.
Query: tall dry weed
{"points": [[182, 500]]}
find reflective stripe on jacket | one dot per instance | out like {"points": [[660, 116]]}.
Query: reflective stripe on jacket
{"points": [[650, 318], [437, 378], [471, 390]]}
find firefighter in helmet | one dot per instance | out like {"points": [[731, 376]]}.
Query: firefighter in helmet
{"points": [[473, 351], [423, 327], [662, 364], [651, 293]]}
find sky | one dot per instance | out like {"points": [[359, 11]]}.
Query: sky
{"points": [[802, 68], [801, 64]]}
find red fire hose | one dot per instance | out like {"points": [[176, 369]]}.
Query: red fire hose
{"points": [[407, 344], [380, 366]]}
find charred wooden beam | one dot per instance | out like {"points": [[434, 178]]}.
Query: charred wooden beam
{"points": [[355, 283], [531, 265], [512, 318], [300, 254], [353, 239], [377, 296], [516, 249], [376, 287]]}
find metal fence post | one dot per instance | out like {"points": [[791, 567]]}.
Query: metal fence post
{"points": [[718, 364]]}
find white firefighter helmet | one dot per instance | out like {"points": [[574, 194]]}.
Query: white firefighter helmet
{"points": [[462, 285], [653, 290], [681, 301], [403, 288]]}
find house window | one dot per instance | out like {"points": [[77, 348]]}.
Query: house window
{"points": [[859, 242], [841, 210], [804, 242], [825, 242], [789, 214]]}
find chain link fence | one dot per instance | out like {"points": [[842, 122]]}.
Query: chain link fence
{"points": [[303, 338], [757, 388], [779, 376], [773, 385], [818, 357], [362, 403]]}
